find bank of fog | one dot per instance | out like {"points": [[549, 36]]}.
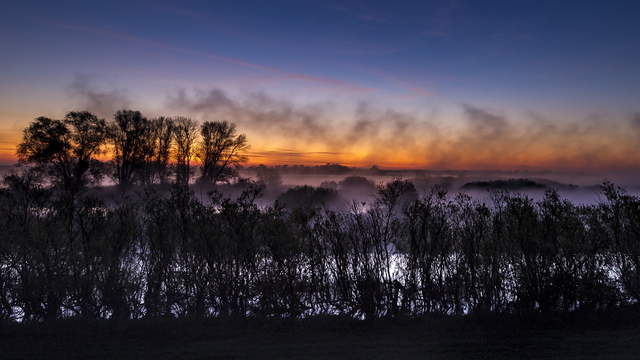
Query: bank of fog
{"points": [[341, 187]]}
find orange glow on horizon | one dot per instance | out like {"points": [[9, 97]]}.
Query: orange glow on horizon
{"points": [[530, 161], [604, 149]]}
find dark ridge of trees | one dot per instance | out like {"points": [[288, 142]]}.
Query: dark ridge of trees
{"points": [[356, 183], [327, 169], [171, 254], [357, 188], [308, 197], [332, 185], [509, 184]]}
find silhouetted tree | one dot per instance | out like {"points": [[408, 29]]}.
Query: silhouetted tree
{"points": [[129, 133], [220, 150], [356, 184], [65, 149], [185, 132], [397, 193], [329, 185], [163, 128], [303, 197]]}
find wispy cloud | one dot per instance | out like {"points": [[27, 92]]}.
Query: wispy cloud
{"points": [[287, 75], [482, 138], [102, 102]]}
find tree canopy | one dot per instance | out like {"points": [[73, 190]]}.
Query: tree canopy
{"points": [[65, 149]]}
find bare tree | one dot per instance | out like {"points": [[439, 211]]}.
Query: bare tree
{"points": [[185, 133], [220, 150]]}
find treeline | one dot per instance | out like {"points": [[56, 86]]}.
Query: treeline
{"points": [[172, 255], [327, 169], [142, 151], [65, 253]]}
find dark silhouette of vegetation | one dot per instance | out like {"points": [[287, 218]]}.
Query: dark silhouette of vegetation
{"points": [[332, 185], [356, 183], [66, 149], [130, 134], [269, 177], [221, 151], [308, 197], [509, 184], [327, 169], [184, 134], [159, 254], [161, 141]]}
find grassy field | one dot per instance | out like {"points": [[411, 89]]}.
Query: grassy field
{"points": [[600, 337]]}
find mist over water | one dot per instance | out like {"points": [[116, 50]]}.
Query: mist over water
{"points": [[579, 188]]}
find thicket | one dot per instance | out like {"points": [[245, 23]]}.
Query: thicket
{"points": [[169, 254]]}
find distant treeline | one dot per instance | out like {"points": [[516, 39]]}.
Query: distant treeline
{"points": [[160, 251], [327, 169], [517, 185]]}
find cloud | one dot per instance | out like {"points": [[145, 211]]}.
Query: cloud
{"points": [[102, 102], [257, 111], [370, 134], [475, 137], [483, 123], [494, 140], [635, 120], [366, 134]]}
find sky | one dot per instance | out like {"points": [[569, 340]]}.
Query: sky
{"points": [[449, 84]]}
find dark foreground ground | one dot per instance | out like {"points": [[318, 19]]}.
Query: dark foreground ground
{"points": [[595, 336]]}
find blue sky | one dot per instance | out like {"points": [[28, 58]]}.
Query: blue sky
{"points": [[558, 58]]}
